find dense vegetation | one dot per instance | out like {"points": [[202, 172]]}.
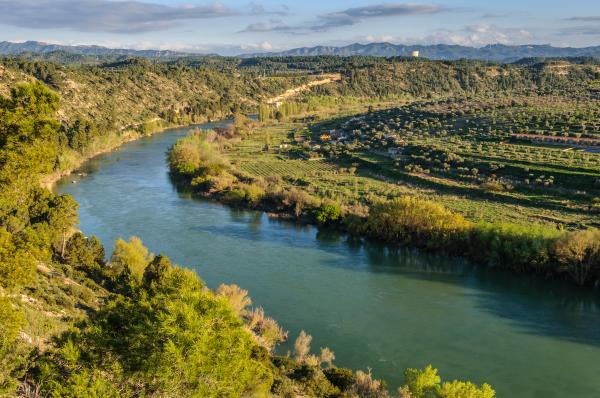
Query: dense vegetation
{"points": [[74, 324]]}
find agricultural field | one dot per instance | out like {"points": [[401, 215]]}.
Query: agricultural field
{"points": [[470, 150], [463, 153]]}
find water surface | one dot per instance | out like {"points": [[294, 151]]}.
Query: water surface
{"points": [[375, 306]]}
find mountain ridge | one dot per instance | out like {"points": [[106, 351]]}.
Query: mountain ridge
{"points": [[492, 52], [12, 48]]}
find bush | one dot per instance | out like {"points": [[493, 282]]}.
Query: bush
{"points": [[578, 254], [513, 246], [328, 213], [416, 221], [342, 378]]}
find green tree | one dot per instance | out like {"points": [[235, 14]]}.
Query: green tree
{"points": [[62, 217], [87, 253], [328, 213], [132, 255], [422, 383], [17, 264], [28, 143], [465, 389], [579, 253], [12, 350], [176, 339]]}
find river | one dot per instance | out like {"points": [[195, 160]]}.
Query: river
{"points": [[374, 306]]}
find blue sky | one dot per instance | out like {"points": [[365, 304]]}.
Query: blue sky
{"points": [[232, 27]]}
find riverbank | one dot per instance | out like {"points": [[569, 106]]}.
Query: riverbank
{"points": [[72, 160], [206, 165]]}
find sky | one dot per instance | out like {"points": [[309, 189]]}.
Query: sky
{"points": [[232, 27]]}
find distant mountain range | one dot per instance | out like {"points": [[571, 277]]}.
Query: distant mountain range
{"points": [[36, 47], [494, 52]]}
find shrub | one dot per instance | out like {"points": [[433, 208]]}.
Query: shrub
{"points": [[328, 213], [253, 193], [342, 378], [302, 346], [237, 298], [509, 245], [417, 221], [578, 254]]}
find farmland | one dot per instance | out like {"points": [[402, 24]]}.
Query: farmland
{"points": [[464, 153], [474, 166]]}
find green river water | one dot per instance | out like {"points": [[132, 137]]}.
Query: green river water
{"points": [[380, 307]]}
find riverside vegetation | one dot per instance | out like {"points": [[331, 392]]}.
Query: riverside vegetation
{"points": [[73, 324], [531, 207]]}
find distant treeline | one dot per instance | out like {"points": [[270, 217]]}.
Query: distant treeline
{"points": [[193, 89]]}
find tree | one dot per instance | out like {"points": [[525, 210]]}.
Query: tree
{"points": [[177, 340], [302, 346], [62, 217], [28, 143], [133, 255], [237, 297], [84, 252], [156, 272], [17, 264], [578, 253], [465, 389], [422, 383], [425, 383], [12, 351]]}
